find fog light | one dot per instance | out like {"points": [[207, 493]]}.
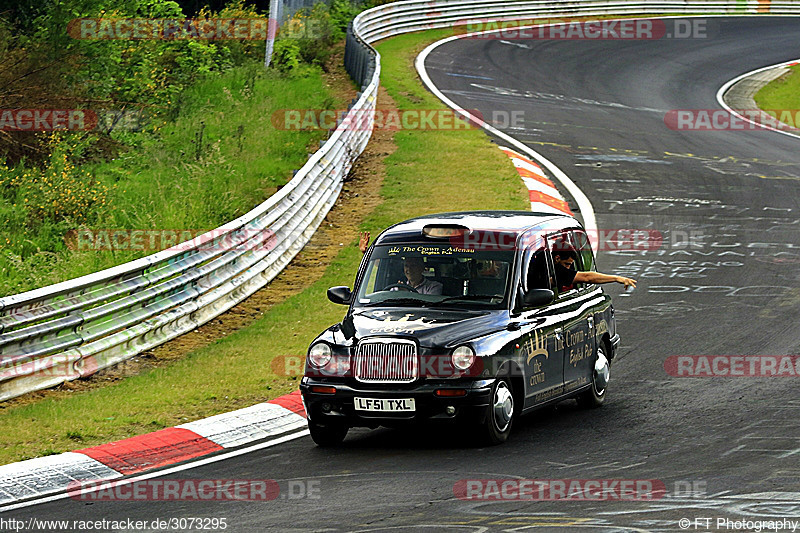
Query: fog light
{"points": [[326, 407], [450, 392], [450, 410]]}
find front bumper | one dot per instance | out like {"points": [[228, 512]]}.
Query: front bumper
{"points": [[339, 408]]}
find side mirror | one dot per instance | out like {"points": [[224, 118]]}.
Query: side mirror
{"points": [[538, 297], [340, 295]]}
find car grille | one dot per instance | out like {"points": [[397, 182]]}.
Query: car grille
{"points": [[386, 361]]}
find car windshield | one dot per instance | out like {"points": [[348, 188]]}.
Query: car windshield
{"points": [[439, 275]]}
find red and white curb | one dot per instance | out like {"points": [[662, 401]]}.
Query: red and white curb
{"points": [[543, 193], [55, 473]]}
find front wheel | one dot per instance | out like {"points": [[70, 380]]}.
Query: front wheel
{"points": [[500, 418], [328, 435], [596, 395]]}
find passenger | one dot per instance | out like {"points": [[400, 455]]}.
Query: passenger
{"points": [[566, 275]]}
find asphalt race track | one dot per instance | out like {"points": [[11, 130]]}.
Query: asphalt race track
{"points": [[725, 447]]}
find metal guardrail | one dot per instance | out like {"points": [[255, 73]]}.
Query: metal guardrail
{"points": [[72, 329]]}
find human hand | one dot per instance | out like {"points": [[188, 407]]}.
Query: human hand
{"points": [[363, 242]]}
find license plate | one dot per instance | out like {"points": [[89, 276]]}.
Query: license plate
{"points": [[389, 405]]}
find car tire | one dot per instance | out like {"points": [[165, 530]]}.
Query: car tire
{"points": [[327, 435], [596, 395], [500, 417]]}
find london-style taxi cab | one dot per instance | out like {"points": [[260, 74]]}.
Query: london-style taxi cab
{"points": [[459, 317]]}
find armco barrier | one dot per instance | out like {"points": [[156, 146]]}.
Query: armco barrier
{"points": [[74, 328]]}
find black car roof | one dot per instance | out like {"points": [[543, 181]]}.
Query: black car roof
{"points": [[507, 221]]}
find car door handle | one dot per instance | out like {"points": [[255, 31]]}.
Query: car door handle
{"points": [[558, 333], [591, 322]]}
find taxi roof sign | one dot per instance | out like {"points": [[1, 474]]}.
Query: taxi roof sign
{"points": [[445, 231]]}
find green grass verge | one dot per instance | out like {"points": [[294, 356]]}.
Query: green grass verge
{"points": [[218, 159], [431, 171], [782, 94]]}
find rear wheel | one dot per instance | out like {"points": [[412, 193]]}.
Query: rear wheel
{"points": [[326, 435], [500, 418], [596, 395]]}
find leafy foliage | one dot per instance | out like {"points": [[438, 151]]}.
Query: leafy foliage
{"points": [[203, 153], [308, 36], [58, 191]]}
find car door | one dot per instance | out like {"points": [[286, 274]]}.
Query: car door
{"points": [[540, 345], [577, 305]]}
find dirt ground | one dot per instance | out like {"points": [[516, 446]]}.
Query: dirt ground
{"points": [[359, 197]]}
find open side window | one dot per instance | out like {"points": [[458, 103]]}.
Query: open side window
{"points": [[564, 251], [585, 261], [536, 268]]}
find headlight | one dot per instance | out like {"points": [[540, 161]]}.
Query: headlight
{"points": [[463, 357], [319, 355]]}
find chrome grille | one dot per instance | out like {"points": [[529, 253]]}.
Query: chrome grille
{"points": [[386, 361]]}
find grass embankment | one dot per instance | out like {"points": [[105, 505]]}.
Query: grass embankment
{"points": [[219, 158], [431, 171], [782, 94]]}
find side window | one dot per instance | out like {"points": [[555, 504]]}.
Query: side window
{"points": [[538, 273], [564, 252], [372, 276], [537, 265], [585, 254]]}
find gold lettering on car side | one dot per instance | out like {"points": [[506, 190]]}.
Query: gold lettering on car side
{"points": [[537, 377], [601, 329], [536, 346]]}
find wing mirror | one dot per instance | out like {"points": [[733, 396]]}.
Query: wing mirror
{"points": [[538, 297], [340, 295]]}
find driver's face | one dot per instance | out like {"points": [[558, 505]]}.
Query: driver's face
{"points": [[413, 268]]}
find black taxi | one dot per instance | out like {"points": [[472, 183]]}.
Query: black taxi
{"points": [[459, 317]]}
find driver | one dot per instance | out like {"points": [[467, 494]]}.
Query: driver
{"points": [[412, 268]]}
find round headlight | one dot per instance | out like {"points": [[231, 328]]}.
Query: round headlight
{"points": [[463, 357], [319, 355]]}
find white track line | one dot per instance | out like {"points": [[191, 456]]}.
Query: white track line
{"points": [[584, 205], [722, 90]]}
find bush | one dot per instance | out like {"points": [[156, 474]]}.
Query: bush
{"points": [[58, 191], [342, 13], [286, 55], [309, 35]]}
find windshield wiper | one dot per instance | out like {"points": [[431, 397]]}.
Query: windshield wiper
{"points": [[472, 297], [398, 300]]}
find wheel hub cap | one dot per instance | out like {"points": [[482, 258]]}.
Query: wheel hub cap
{"points": [[602, 372], [503, 407]]}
